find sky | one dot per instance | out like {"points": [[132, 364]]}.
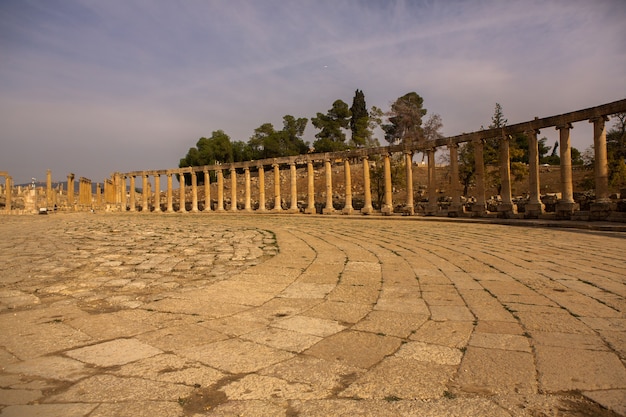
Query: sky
{"points": [[94, 87]]}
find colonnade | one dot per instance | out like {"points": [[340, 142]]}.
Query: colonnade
{"points": [[534, 208]]}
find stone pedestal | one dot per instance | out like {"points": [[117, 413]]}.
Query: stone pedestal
{"points": [[479, 210], [533, 210], [507, 210], [600, 210], [565, 209]]}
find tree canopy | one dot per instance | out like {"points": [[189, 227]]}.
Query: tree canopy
{"points": [[331, 136], [405, 120]]}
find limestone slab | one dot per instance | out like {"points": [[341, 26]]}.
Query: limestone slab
{"points": [[446, 333], [495, 371], [340, 312], [614, 400], [419, 351], [49, 410], [500, 341], [563, 369], [114, 352], [52, 367], [18, 396], [283, 339], [359, 349], [236, 356], [173, 338], [392, 323], [310, 325]]}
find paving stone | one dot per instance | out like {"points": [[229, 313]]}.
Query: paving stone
{"points": [[424, 352], [310, 325], [391, 323], [18, 396], [564, 369], [48, 410], [359, 349], [114, 352], [52, 367]]}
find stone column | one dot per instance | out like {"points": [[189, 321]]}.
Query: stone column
{"points": [[277, 199], [387, 208], [194, 192], [98, 195], [131, 192], [432, 207], [566, 206], [293, 207], [601, 208], [408, 161], [207, 191], [8, 183], [157, 192], [367, 190], [220, 190], [456, 207], [479, 208], [534, 208], [248, 203], [347, 208], [70, 191], [170, 205], [506, 208], [182, 192], [144, 192], [329, 188], [601, 166], [120, 196], [49, 202], [261, 188], [233, 189], [310, 175]]}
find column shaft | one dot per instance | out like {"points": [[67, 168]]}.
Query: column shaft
{"points": [[479, 208], [534, 208], [506, 209], [170, 205], [566, 206], [233, 189], [432, 206], [261, 188], [248, 203], [157, 193], [277, 198], [601, 165], [132, 193], [144, 192], [182, 192], [387, 208], [220, 190], [408, 161], [329, 188], [293, 175], [310, 175], [455, 186], [207, 191], [194, 191], [367, 189], [347, 208]]}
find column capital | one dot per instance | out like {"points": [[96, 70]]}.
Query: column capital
{"points": [[604, 118], [452, 145], [564, 126], [532, 132]]}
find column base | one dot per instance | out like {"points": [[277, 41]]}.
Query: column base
{"points": [[600, 210], [293, 210], [565, 209], [507, 210], [386, 210], [534, 210], [431, 209], [479, 210], [347, 210], [408, 211], [367, 210], [310, 210], [456, 210], [328, 211]]}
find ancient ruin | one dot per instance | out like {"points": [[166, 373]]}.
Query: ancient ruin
{"points": [[133, 191]]}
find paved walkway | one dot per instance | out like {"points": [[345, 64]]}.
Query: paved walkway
{"points": [[262, 315]]}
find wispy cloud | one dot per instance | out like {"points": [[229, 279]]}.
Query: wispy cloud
{"points": [[152, 77]]}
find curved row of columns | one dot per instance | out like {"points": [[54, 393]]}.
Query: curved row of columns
{"points": [[566, 205]]}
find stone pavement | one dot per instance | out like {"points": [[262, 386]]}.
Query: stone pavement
{"points": [[262, 315]]}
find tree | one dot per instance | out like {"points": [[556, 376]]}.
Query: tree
{"points": [[432, 127], [208, 151], [359, 121], [266, 142], [405, 120], [331, 137]]}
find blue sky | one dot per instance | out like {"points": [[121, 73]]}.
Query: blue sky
{"points": [[93, 87]]}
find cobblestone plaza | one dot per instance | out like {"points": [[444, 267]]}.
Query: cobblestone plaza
{"points": [[267, 315]]}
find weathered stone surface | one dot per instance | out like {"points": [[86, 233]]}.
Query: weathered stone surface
{"points": [[141, 315]]}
